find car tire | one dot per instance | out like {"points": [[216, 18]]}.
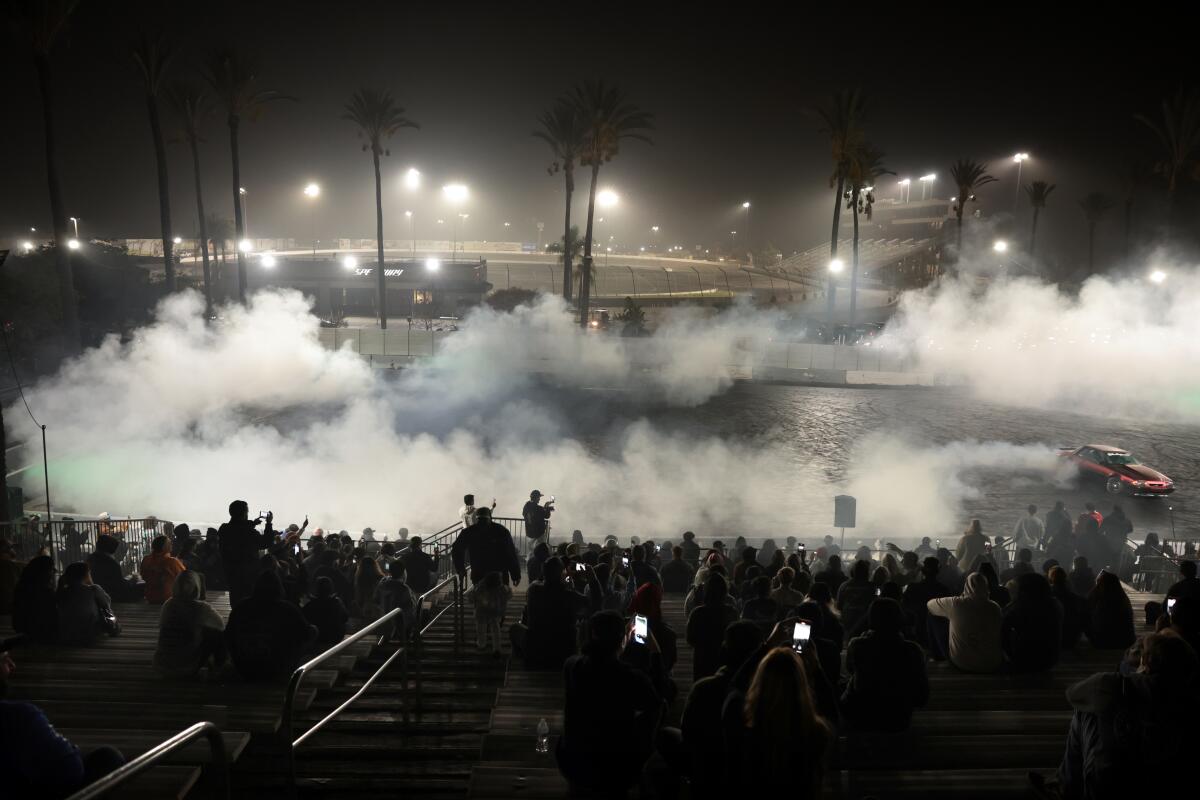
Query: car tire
{"points": [[1114, 486]]}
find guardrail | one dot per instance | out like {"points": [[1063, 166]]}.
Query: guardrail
{"points": [[153, 756], [69, 540], [419, 637]]}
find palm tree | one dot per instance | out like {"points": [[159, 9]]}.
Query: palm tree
{"points": [[1038, 192], [842, 120], [191, 107], [232, 77], [561, 128], [1178, 134], [220, 231], [41, 22], [378, 117], [968, 176], [865, 167], [1095, 206], [607, 118], [153, 57]]}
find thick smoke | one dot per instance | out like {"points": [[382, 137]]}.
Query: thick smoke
{"points": [[1124, 346]]}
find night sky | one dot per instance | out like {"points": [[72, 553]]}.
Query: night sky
{"points": [[728, 90]]}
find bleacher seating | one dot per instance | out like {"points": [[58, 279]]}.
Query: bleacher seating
{"points": [[811, 265]]}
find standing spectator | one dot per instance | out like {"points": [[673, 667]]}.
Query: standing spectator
{"points": [[84, 609], [1089, 543], [159, 570], [677, 574], [925, 549], [488, 546], [240, 544], [1075, 608], [546, 636], [1029, 531], [189, 631], [394, 592], [974, 640], [1110, 614], [33, 611], [367, 578], [972, 545], [10, 574], [706, 627], [641, 570], [1090, 510], [537, 516], [760, 608], [419, 566], [1188, 586], [832, 575], [887, 673], [748, 561], [266, 634], [1031, 631], [1115, 530], [326, 613], [854, 598], [490, 598], [691, 550], [647, 601], [611, 712], [1022, 566]]}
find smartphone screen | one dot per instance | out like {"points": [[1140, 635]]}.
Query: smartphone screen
{"points": [[1170, 604], [878, 591], [640, 629], [624, 561], [801, 547], [578, 567], [800, 636]]}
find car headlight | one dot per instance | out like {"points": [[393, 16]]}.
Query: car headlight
{"points": [[1138, 484]]}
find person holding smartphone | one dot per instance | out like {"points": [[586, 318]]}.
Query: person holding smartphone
{"points": [[241, 544], [537, 516]]}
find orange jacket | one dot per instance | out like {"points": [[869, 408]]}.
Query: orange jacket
{"points": [[159, 571]]}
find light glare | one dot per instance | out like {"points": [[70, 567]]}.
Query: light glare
{"points": [[1158, 276], [836, 265], [456, 192], [1000, 246], [432, 265], [349, 262], [607, 198], [312, 190], [268, 261], [73, 244], [412, 178]]}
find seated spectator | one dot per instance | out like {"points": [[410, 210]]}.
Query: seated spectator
{"points": [[266, 634], [367, 578], [159, 571], [327, 613], [546, 637], [998, 594], [701, 722], [786, 596], [832, 576], [950, 572], [1110, 614], [1075, 608], [760, 608], [1031, 631], [887, 673], [34, 613], [776, 741], [10, 574], [190, 632], [541, 552], [107, 572], [677, 573], [1183, 620], [611, 712], [1082, 576], [706, 627], [696, 596], [974, 635], [1022, 566], [854, 597], [1131, 734], [1188, 585], [746, 593], [37, 761], [419, 566], [84, 609], [917, 596]]}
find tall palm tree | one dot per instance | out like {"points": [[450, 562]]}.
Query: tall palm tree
{"points": [[968, 176], [41, 22], [841, 119], [378, 117], [560, 127], [232, 76], [1095, 206], [865, 168], [1038, 192], [607, 118], [220, 231], [191, 108], [1178, 134], [153, 57]]}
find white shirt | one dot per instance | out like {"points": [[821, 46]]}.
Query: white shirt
{"points": [[974, 632], [467, 515], [1028, 531]]}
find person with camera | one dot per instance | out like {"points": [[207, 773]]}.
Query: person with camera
{"points": [[240, 543], [537, 516]]}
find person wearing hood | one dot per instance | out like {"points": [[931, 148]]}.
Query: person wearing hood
{"points": [[266, 634], [189, 631], [974, 644]]}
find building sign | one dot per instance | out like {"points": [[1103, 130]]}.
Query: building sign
{"points": [[387, 272]]}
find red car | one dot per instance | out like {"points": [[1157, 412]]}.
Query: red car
{"points": [[1117, 470]]}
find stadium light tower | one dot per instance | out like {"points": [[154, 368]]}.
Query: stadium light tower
{"points": [[412, 237], [312, 191], [456, 192], [412, 179], [904, 183], [607, 198], [1000, 246], [1019, 159], [836, 266]]}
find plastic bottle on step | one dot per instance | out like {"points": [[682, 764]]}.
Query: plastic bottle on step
{"points": [[543, 737]]}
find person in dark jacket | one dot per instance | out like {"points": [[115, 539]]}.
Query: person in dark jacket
{"points": [[240, 544], [918, 594], [1110, 614], [854, 597], [35, 614], [266, 634], [1089, 543], [327, 613], [488, 546], [536, 516], [677, 574], [832, 575], [706, 627], [691, 550], [545, 637], [1075, 609], [419, 567], [84, 609], [1115, 530], [1031, 626], [107, 572], [533, 567], [887, 673], [611, 712], [1082, 577]]}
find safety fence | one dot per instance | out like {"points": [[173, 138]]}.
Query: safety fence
{"points": [[69, 540]]}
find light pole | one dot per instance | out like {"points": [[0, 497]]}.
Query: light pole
{"points": [[835, 267], [633, 278], [456, 194], [75, 222], [654, 230], [904, 184], [312, 191], [463, 217], [667, 272], [245, 217], [1020, 159], [927, 181], [746, 207], [412, 237]]}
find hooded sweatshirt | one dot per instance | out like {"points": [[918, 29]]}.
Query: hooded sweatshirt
{"points": [[180, 626], [974, 626]]}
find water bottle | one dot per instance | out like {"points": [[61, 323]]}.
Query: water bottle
{"points": [[543, 737]]}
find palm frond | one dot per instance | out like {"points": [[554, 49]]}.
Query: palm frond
{"points": [[377, 115], [153, 55]]}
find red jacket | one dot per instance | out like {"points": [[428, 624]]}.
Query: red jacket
{"points": [[159, 571]]}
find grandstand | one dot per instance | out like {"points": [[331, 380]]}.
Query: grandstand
{"points": [[880, 261]]}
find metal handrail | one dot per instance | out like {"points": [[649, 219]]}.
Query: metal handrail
{"points": [[154, 755], [419, 636]]}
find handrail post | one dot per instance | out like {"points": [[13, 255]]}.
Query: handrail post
{"points": [[285, 726]]}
